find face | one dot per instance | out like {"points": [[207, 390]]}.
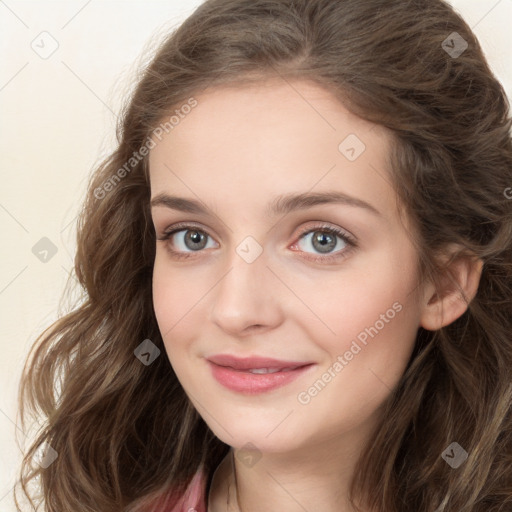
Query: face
{"points": [[328, 282]]}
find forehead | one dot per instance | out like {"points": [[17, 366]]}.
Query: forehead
{"points": [[271, 138]]}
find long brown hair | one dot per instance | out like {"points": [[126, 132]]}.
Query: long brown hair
{"points": [[126, 433]]}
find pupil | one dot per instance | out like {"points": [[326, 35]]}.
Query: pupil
{"points": [[323, 239], [194, 237]]}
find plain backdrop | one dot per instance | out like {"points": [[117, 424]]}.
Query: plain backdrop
{"points": [[58, 115]]}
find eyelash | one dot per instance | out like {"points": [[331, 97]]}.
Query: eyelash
{"points": [[347, 239]]}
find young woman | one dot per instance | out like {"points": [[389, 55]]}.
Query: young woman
{"points": [[297, 275]]}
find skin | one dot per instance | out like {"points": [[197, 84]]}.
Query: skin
{"points": [[236, 151]]}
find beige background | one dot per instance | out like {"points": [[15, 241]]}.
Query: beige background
{"points": [[58, 120]]}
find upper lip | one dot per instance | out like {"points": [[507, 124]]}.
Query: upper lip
{"points": [[247, 363]]}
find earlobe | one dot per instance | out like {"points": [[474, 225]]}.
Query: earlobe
{"points": [[460, 285]]}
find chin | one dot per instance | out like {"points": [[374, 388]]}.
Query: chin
{"points": [[257, 438]]}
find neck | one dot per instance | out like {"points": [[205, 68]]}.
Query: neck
{"points": [[288, 482]]}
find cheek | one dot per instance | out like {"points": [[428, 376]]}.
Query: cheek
{"points": [[179, 299], [368, 313], [164, 290], [171, 297], [360, 294], [375, 328]]}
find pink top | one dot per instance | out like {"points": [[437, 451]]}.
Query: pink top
{"points": [[194, 499]]}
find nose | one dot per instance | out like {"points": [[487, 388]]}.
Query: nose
{"points": [[247, 298]]}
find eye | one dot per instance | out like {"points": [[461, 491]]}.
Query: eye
{"points": [[187, 237], [325, 239]]}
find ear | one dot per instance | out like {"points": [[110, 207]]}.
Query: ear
{"points": [[460, 283]]}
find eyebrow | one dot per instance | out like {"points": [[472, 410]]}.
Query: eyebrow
{"points": [[279, 206]]}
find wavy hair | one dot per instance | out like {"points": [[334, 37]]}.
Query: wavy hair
{"points": [[127, 436]]}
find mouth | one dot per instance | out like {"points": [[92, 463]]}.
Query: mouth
{"points": [[252, 377]]}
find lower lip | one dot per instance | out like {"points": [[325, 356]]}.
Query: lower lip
{"points": [[254, 383]]}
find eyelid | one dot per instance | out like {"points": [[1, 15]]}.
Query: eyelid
{"points": [[181, 226], [325, 226], [306, 229]]}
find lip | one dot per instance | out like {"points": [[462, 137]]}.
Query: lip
{"points": [[242, 381], [246, 363]]}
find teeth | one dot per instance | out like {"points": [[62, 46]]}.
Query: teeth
{"points": [[268, 370]]}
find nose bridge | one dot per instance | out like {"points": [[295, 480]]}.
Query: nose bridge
{"points": [[247, 294], [247, 276]]}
